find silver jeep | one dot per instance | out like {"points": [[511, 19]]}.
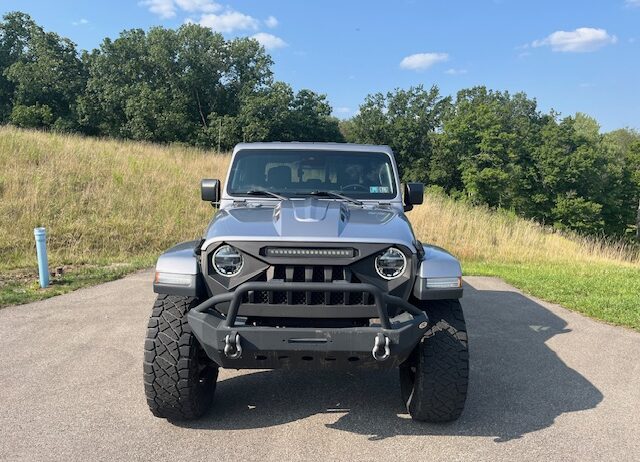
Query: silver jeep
{"points": [[309, 262]]}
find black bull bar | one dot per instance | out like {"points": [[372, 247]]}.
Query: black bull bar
{"points": [[232, 343]]}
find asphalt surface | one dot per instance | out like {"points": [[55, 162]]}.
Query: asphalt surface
{"points": [[546, 384]]}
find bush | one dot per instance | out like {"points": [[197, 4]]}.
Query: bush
{"points": [[36, 116]]}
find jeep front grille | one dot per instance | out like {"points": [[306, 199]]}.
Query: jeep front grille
{"points": [[314, 273]]}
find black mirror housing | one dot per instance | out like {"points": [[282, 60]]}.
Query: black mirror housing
{"points": [[413, 195], [210, 190]]}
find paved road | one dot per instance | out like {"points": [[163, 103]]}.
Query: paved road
{"points": [[546, 384]]}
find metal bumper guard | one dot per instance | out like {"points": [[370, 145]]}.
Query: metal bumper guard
{"points": [[233, 344]]}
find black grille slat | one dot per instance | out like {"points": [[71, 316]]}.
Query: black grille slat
{"points": [[288, 277], [328, 275], [308, 277], [346, 276]]}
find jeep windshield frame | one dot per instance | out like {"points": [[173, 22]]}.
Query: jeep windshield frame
{"points": [[295, 173]]}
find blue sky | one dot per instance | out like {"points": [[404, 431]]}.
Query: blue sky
{"points": [[570, 55]]}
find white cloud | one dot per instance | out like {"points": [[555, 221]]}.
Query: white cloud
{"points": [[453, 71], [271, 22], [212, 16], [583, 39], [164, 8], [269, 41], [204, 6], [229, 21], [80, 22], [632, 3], [342, 110], [421, 61]]}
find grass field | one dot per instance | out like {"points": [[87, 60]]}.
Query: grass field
{"points": [[111, 207], [597, 278]]}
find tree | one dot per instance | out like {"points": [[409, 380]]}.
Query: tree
{"points": [[265, 115], [310, 118], [15, 34], [585, 178], [406, 120], [633, 165], [41, 71], [275, 113], [577, 214], [624, 148], [168, 85], [486, 148]]}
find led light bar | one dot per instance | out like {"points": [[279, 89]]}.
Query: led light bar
{"points": [[308, 253], [443, 283], [173, 279]]}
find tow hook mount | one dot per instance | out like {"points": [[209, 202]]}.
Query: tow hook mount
{"points": [[232, 345], [381, 349]]}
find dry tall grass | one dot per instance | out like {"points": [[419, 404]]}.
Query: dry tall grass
{"points": [[480, 234], [109, 201], [101, 200]]}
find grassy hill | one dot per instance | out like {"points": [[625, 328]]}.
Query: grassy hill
{"points": [[111, 207]]}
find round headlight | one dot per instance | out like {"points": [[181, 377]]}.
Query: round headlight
{"points": [[227, 261], [391, 263]]}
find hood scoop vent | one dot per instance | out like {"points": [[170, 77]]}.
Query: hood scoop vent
{"points": [[310, 209], [310, 217]]}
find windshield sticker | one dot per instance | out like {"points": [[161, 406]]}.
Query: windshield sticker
{"points": [[379, 189]]}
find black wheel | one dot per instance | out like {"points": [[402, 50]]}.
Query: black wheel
{"points": [[433, 381], [179, 378]]}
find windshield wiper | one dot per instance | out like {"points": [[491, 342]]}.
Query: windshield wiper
{"points": [[335, 195], [264, 192]]}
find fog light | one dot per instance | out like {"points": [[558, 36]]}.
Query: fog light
{"points": [[444, 283], [173, 279]]}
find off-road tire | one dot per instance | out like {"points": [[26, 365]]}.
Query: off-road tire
{"points": [[434, 380], [179, 378]]}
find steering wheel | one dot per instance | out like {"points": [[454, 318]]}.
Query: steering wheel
{"points": [[354, 186]]}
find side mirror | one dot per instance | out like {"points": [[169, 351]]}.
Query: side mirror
{"points": [[210, 190], [413, 195]]}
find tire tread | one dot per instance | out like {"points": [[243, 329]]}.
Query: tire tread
{"points": [[437, 391], [170, 366]]}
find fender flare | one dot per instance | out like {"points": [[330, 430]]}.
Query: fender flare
{"points": [[180, 261], [437, 263]]}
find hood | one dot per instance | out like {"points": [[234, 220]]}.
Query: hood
{"points": [[310, 219]]}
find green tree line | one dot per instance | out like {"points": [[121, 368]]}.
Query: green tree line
{"points": [[190, 85], [494, 148]]}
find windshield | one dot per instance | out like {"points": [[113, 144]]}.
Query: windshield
{"points": [[361, 175]]}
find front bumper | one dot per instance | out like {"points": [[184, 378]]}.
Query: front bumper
{"points": [[260, 347]]}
